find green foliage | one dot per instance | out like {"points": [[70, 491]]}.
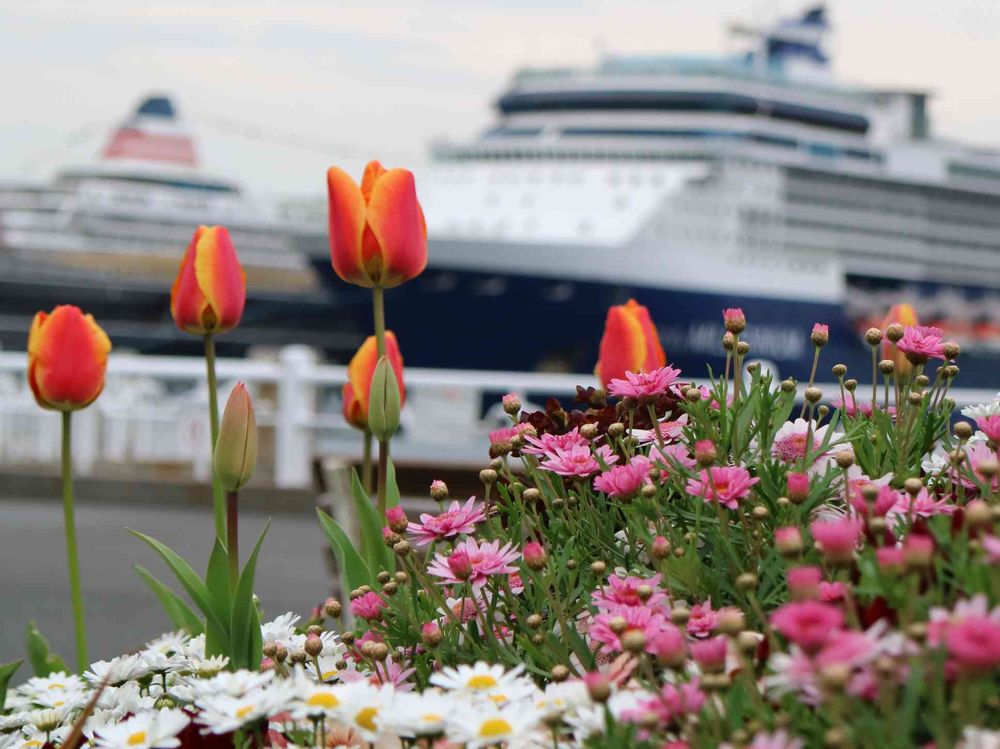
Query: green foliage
{"points": [[43, 661], [7, 671], [231, 619]]}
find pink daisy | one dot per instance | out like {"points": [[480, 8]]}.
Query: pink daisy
{"points": [[703, 619], [644, 384], [990, 426], [369, 606], [923, 505], [550, 445], [578, 461], [507, 433], [921, 343], [625, 592], [637, 618], [485, 560], [790, 441], [722, 484], [809, 624], [669, 457], [626, 480], [457, 519]]}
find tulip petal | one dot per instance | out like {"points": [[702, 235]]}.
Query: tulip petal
{"points": [[188, 304], [623, 347], [362, 367], [220, 277], [347, 224], [655, 355], [373, 170], [396, 221]]}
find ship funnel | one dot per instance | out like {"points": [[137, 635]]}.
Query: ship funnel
{"points": [[153, 133]]}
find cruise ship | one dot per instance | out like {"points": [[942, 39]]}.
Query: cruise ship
{"points": [[695, 183]]}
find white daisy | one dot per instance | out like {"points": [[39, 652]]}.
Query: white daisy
{"points": [[481, 678], [478, 728], [222, 713], [586, 721], [313, 700], [117, 670], [156, 729], [280, 629], [992, 408], [32, 738], [58, 683], [559, 698], [205, 668], [49, 719], [414, 715], [193, 648], [232, 684], [361, 706]]}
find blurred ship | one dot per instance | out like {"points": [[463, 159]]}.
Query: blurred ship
{"points": [[750, 179], [108, 236], [695, 183]]}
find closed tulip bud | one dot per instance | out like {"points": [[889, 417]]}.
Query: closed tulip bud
{"points": [[210, 291], [236, 447], [378, 236], [384, 401], [630, 343], [360, 374], [67, 358]]}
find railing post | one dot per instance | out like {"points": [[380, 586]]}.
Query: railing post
{"points": [[293, 435]]}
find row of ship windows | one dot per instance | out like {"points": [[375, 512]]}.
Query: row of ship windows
{"points": [[824, 150], [882, 203], [908, 237]]}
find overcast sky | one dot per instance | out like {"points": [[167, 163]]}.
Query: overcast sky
{"points": [[338, 81]]}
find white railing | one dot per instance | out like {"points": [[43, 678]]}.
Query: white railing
{"points": [[153, 414]]}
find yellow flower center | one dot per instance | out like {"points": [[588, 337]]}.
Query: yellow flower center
{"points": [[366, 718], [498, 698], [431, 718], [139, 737], [495, 727], [330, 674], [481, 681], [244, 711], [323, 699], [57, 686], [32, 744]]}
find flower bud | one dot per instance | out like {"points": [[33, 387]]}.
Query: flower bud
{"points": [[845, 459], [460, 564], [963, 430], [705, 452], [788, 386], [402, 548], [559, 673], [332, 608], [313, 646], [951, 350], [820, 335], [395, 518], [633, 641], [599, 568], [598, 686], [534, 556], [850, 385], [660, 548], [439, 490], [978, 514], [839, 370], [430, 634], [669, 647], [384, 402], [734, 320], [798, 487], [895, 332], [788, 541], [710, 654], [873, 336], [511, 404], [236, 448], [743, 348], [813, 394]]}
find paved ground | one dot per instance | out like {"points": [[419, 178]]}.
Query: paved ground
{"points": [[121, 612]]}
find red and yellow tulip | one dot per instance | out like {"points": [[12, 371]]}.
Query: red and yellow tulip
{"points": [[359, 373], [211, 289], [905, 315], [67, 358], [378, 237], [630, 343]]}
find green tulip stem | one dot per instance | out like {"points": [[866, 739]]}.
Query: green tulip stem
{"points": [[218, 496], [383, 469], [378, 309], [233, 537], [366, 462], [72, 556]]}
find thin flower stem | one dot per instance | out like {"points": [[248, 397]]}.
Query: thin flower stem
{"points": [[366, 462], [812, 379], [218, 496], [378, 312], [383, 472], [72, 556], [233, 537]]}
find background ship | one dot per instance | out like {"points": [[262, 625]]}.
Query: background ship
{"points": [[692, 184]]}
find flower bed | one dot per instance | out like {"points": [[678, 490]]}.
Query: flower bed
{"points": [[658, 564]]}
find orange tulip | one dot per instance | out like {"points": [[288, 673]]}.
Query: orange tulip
{"points": [[67, 357], [211, 288], [905, 315], [359, 373], [378, 236], [630, 343]]}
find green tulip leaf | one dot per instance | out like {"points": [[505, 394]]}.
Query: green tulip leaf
{"points": [[352, 566], [377, 555], [43, 661], [7, 671], [245, 649], [180, 614]]}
